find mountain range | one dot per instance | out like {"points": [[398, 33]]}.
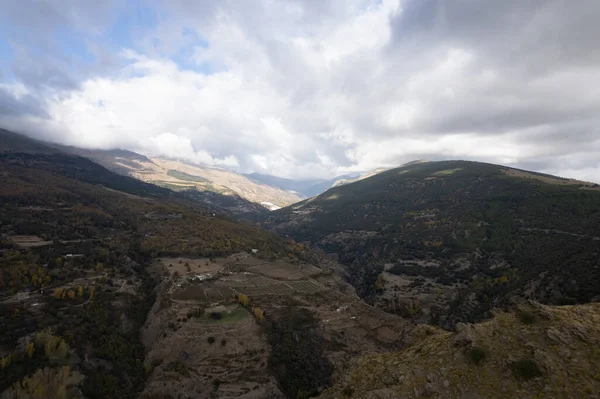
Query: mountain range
{"points": [[435, 279], [203, 182]]}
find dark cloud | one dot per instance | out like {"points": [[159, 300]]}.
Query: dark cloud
{"points": [[20, 106]]}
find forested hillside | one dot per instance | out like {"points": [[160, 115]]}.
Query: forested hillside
{"points": [[446, 241], [75, 247]]}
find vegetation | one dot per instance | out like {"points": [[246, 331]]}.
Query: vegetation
{"points": [[186, 177], [296, 357], [526, 369], [75, 244], [555, 357], [509, 229], [476, 355]]}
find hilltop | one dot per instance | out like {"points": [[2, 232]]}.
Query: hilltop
{"points": [[444, 242]]}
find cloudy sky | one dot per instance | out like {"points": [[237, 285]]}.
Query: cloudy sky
{"points": [[310, 88]]}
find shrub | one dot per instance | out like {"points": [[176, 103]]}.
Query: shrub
{"points": [[348, 392], [476, 355], [526, 317], [223, 342], [526, 369], [210, 340]]}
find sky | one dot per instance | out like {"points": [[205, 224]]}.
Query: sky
{"points": [[310, 88]]}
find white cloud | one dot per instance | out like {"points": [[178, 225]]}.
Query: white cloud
{"points": [[305, 89]]}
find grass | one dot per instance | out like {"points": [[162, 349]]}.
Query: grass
{"points": [[446, 172], [187, 177]]}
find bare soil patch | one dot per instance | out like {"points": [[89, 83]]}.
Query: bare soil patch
{"points": [[29, 241]]}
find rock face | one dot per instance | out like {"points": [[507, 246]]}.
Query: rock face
{"points": [[538, 351]]}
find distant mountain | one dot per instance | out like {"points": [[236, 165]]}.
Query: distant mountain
{"points": [[456, 238], [13, 142], [109, 168], [180, 175], [310, 188]]}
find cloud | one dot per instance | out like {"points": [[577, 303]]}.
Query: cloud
{"points": [[317, 88]]}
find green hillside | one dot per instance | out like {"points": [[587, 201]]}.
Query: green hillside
{"points": [[480, 231]]}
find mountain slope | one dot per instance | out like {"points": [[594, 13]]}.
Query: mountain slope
{"points": [[452, 239], [112, 168], [179, 175], [536, 352], [77, 244]]}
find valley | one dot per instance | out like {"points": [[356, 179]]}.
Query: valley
{"points": [[111, 287]]}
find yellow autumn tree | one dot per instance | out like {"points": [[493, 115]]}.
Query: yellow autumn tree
{"points": [[30, 350], [243, 299], [5, 362], [258, 313], [58, 293], [80, 291], [71, 294]]}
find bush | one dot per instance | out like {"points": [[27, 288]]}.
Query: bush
{"points": [[526, 317], [223, 342], [348, 392], [476, 355], [210, 340], [526, 369]]}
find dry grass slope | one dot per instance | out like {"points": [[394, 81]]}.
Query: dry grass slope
{"points": [[537, 352]]}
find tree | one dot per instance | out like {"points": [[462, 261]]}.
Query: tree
{"points": [[243, 299], [30, 350], [258, 313], [5, 362], [378, 286]]}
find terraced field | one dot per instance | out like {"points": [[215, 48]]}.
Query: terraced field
{"points": [[250, 276]]}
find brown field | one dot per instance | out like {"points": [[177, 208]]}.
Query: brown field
{"points": [[29, 241], [285, 270], [239, 273], [196, 266]]}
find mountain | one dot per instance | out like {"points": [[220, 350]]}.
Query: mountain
{"points": [[13, 142], [444, 242], [180, 175], [111, 287], [310, 188], [307, 188]]}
